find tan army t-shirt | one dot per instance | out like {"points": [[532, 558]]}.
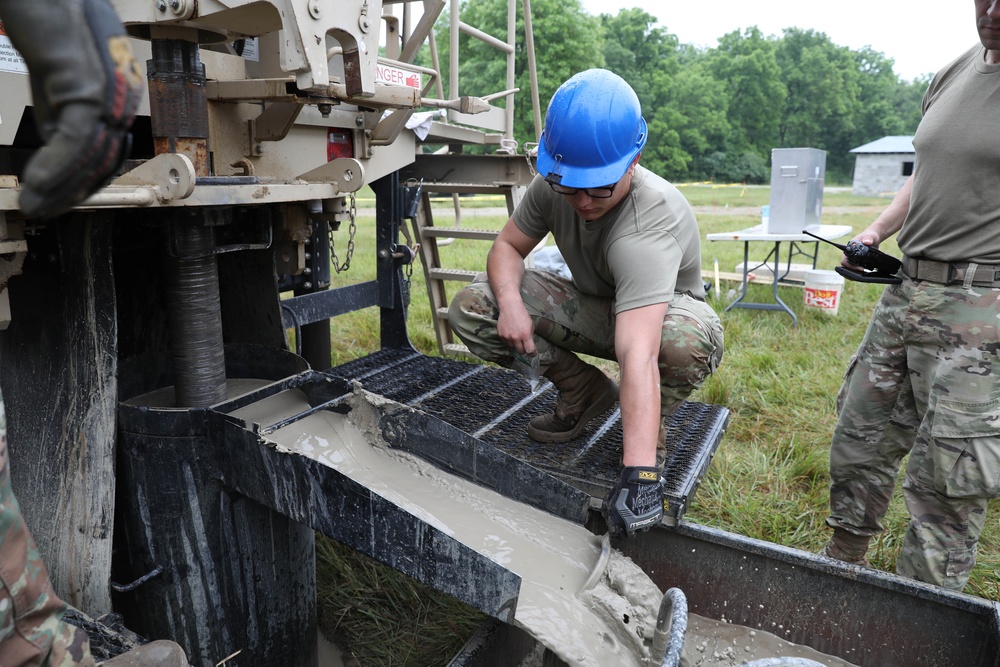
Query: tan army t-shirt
{"points": [[954, 211], [640, 253]]}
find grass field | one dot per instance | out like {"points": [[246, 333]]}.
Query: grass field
{"points": [[769, 477]]}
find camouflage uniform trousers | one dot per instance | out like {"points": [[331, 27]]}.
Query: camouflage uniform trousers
{"points": [[564, 317], [32, 632], [925, 381]]}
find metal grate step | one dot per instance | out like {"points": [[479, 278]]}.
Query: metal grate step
{"points": [[495, 405], [452, 274]]}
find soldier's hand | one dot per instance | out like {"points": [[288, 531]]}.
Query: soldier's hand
{"points": [[635, 502], [86, 86]]}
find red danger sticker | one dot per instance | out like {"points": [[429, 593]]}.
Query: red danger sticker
{"points": [[395, 76]]}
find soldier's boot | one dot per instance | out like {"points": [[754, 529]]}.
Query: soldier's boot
{"points": [[161, 653], [86, 86], [584, 393], [848, 547]]}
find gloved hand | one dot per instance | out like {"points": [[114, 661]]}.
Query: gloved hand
{"points": [[86, 85], [635, 503]]}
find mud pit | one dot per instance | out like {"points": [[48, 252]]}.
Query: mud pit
{"points": [[711, 643], [587, 607]]}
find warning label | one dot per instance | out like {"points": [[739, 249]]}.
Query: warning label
{"points": [[10, 59], [395, 76], [251, 51]]}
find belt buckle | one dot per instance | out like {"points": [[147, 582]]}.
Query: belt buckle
{"points": [[952, 276]]}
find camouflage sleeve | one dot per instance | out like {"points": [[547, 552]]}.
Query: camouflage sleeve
{"points": [[32, 631]]}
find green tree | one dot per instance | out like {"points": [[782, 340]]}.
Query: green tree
{"points": [[747, 65], [824, 97], [880, 113], [567, 41], [907, 98], [693, 104], [683, 105], [638, 50]]}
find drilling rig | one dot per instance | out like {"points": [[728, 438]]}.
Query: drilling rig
{"points": [[140, 329], [210, 251]]}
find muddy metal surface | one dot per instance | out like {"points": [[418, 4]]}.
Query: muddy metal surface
{"points": [[554, 566], [588, 604], [555, 558], [495, 405]]}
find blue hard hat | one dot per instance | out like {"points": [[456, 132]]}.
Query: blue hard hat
{"points": [[593, 130]]}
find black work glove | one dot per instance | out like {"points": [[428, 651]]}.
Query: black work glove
{"points": [[86, 85], [635, 503]]}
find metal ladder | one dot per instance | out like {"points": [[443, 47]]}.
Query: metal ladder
{"points": [[430, 236]]}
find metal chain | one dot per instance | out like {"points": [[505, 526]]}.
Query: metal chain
{"points": [[405, 287], [530, 153], [353, 217], [408, 270]]}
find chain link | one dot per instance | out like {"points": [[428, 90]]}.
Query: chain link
{"points": [[352, 228], [531, 154], [408, 271]]}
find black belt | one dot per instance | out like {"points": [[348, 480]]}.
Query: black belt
{"points": [[951, 273]]}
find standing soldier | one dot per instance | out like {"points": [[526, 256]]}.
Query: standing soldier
{"points": [[927, 374]]}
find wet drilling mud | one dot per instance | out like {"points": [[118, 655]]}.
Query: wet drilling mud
{"points": [[554, 557], [588, 604]]}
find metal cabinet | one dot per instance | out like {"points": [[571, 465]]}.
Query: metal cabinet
{"points": [[797, 176]]}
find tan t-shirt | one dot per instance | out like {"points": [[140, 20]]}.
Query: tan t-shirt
{"points": [[954, 211], [641, 252]]}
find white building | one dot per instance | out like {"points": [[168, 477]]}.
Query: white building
{"points": [[881, 167]]}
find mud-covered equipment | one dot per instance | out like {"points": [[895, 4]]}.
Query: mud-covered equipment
{"points": [[878, 266], [86, 86], [229, 197], [593, 130], [635, 503]]}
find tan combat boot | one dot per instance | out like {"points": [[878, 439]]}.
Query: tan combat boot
{"points": [[848, 547], [161, 653], [584, 393]]}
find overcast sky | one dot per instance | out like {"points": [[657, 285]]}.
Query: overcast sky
{"points": [[921, 37]]}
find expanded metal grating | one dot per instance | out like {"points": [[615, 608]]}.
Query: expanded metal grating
{"points": [[495, 405]]}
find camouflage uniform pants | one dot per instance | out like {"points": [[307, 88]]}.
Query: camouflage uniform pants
{"points": [[32, 632], [925, 381], [564, 317]]}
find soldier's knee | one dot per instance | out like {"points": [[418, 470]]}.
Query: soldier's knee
{"points": [[689, 348], [470, 306], [457, 311], [688, 365]]}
